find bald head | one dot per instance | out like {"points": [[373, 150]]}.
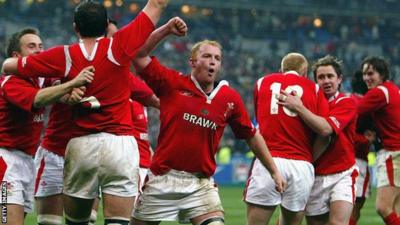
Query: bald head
{"points": [[296, 62]]}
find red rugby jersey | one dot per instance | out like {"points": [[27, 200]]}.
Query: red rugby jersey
{"points": [[286, 134], [192, 122], [20, 123], [383, 104], [107, 97]]}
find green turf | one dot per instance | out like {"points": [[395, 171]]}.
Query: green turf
{"points": [[236, 212]]}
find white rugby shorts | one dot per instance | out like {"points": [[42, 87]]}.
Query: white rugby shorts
{"points": [[17, 175], [260, 187], [101, 160], [177, 196], [362, 182], [49, 173], [329, 188], [388, 168]]}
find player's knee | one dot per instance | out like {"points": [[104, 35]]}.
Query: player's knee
{"points": [[213, 221], [382, 209], [93, 217], [76, 221], [116, 221], [48, 219]]}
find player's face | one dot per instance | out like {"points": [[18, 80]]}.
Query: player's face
{"points": [[206, 64], [30, 44], [371, 77], [328, 80]]}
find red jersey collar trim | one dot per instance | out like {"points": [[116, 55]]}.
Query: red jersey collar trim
{"points": [[333, 97], [214, 92], [85, 53]]}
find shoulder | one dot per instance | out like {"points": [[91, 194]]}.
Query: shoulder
{"points": [[345, 101]]}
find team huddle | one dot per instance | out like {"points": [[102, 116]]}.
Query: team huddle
{"points": [[311, 143]]}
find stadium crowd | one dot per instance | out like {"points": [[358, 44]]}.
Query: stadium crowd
{"points": [[312, 122]]}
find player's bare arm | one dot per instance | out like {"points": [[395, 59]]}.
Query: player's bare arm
{"points": [[318, 124], [50, 95], [320, 145], [174, 26], [154, 8], [260, 149], [10, 66], [152, 101]]}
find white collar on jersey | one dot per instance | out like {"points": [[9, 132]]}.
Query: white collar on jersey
{"points": [[214, 92], [85, 53], [291, 72], [333, 97]]}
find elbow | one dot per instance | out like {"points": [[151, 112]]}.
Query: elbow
{"points": [[326, 132]]}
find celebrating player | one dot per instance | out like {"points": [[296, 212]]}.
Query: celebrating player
{"points": [[21, 122], [382, 102], [333, 193], [289, 140], [194, 110]]}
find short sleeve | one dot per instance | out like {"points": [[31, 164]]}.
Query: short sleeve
{"points": [[139, 90], [372, 101], [19, 92], [342, 114], [128, 40], [239, 120], [160, 78], [50, 63]]}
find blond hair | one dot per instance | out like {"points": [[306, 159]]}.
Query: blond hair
{"points": [[197, 45], [296, 62]]}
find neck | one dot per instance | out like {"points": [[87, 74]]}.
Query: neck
{"points": [[207, 88]]}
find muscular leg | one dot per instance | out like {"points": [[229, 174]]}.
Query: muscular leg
{"points": [[50, 209], [355, 215], [259, 215], [15, 215], [340, 212], [116, 207], [385, 200], [318, 220], [77, 209], [290, 218], [199, 220]]}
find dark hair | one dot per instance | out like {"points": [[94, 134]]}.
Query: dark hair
{"points": [[328, 61], [113, 21], [14, 43], [378, 64], [357, 83], [91, 19]]}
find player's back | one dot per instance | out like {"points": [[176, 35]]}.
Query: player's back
{"points": [[287, 136], [107, 97]]}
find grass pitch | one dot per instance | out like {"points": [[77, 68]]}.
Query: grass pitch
{"points": [[235, 210]]}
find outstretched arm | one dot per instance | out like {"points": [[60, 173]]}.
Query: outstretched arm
{"points": [[260, 149], [154, 8], [174, 26], [50, 95], [317, 123]]}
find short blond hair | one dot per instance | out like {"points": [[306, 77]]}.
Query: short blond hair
{"points": [[296, 62], [197, 45]]}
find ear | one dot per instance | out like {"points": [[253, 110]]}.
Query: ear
{"points": [[340, 78], [15, 54], [75, 27], [192, 62]]}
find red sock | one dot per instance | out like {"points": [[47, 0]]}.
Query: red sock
{"points": [[392, 219], [352, 222]]}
